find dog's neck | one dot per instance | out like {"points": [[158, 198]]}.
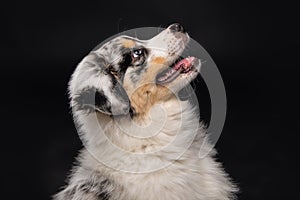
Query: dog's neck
{"points": [[169, 130], [164, 118]]}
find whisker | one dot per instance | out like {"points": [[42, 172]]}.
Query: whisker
{"points": [[203, 61]]}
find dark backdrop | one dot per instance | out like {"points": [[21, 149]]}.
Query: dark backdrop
{"points": [[255, 45]]}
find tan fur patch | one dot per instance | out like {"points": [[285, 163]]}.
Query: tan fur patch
{"points": [[144, 97], [159, 60], [128, 43]]}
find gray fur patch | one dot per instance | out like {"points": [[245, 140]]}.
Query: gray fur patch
{"points": [[95, 187]]}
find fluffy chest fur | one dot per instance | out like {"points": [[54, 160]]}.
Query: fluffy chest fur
{"points": [[160, 172], [134, 168]]}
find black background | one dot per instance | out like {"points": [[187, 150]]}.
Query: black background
{"points": [[255, 45]]}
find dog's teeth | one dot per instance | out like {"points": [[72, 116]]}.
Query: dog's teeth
{"points": [[167, 75], [170, 72], [162, 78]]}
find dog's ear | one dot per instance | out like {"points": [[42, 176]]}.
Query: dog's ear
{"points": [[94, 88]]}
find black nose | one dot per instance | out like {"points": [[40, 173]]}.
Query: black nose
{"points": [[177, 28]]}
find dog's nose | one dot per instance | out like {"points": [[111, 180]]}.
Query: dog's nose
{"points": [[177, 28]]}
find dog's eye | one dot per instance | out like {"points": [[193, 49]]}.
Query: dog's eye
{"points": [[138, 56], [137, 53]]}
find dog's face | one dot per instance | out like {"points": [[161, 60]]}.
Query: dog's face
{"points": [[130, 74]]}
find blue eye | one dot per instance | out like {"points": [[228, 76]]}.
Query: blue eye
{"points": [[137, 53]]}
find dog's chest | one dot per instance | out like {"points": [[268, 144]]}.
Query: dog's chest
{"points": [[172, 183]]}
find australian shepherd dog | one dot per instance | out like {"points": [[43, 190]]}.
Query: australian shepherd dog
{"points": [[140, 140]]}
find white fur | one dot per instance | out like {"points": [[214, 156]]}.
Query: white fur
{"points": [[184, 177]]}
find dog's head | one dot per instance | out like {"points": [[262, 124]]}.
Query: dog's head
{"points": [[130, 75]]}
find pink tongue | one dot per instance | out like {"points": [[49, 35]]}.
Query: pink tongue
{"points": [[185, 63]]}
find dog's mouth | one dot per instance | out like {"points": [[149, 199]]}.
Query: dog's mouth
{"points": [[180, 66]]}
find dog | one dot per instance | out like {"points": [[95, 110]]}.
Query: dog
{"points": [[140, 140]]}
